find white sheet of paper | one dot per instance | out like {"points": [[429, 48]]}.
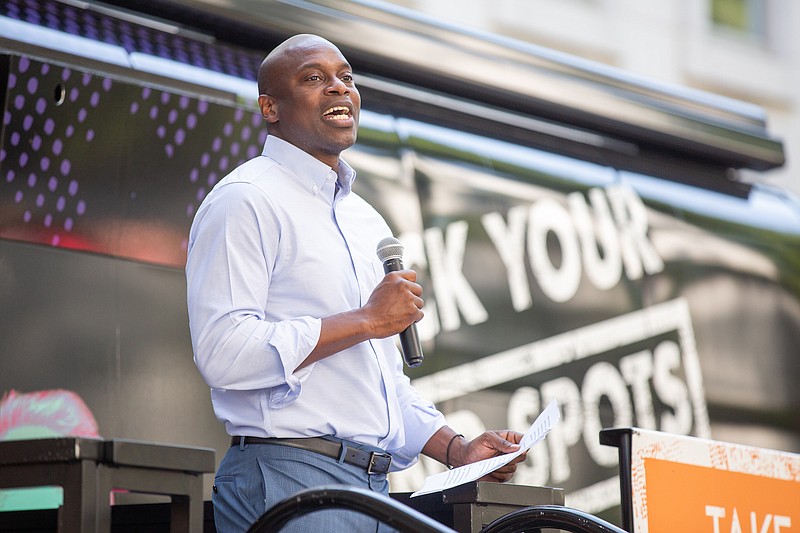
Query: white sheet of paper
{"points": [[546, 421]]}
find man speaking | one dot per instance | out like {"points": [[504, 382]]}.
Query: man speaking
{"points": [[293, 320]]}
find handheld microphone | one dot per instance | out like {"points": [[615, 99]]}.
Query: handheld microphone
{"points": [[390, 252]]}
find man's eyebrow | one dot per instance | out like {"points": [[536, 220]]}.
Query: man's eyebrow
{"points": [[309, 66]]}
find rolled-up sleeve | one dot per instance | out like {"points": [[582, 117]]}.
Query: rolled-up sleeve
{"points": [[421, 420], [233, 246]]}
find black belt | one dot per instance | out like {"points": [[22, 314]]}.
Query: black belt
{"points": [[372, 462]]}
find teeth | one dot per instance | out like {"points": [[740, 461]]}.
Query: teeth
{"points": [[342, 113]]}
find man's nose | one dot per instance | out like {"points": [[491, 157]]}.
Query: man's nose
{"points": [[338, 86]]}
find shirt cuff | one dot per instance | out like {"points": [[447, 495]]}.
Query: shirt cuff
{"points": [[293, 340], [418, 431]]}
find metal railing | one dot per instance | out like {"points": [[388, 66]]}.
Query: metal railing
{"points": [[386, 510], [550, 516], [407, 520]]}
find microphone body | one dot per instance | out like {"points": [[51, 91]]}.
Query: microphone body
{"points": [[390, 251]]}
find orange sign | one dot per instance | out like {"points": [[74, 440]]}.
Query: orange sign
{"points": [[690, 498], [694, 485]]}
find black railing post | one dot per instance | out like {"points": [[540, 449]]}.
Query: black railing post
{"points": [[621, 438]]}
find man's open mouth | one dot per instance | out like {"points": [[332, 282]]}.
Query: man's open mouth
{"points": [[339, 112]]}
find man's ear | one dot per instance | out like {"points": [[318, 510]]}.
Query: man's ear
{"points": [[269, 108]]}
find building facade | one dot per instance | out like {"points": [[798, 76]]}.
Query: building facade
{"points": [[742, 49]]}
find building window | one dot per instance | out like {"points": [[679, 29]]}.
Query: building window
{"points": [[747, 17]]}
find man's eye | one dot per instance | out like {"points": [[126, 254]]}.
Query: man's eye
{"points": [[314, 77], [347, 77]]}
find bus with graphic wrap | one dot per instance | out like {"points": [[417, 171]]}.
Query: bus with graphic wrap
{"points": [[582, 235]]}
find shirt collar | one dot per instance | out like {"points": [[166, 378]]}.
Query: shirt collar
{"points": [[309, 170]]}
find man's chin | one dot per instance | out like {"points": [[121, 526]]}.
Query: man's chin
{"points": [[343, 142]]}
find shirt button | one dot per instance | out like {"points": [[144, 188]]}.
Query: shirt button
{"points": [[315, 188]]}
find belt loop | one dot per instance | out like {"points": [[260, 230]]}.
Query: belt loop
{"points": [[241, 443], [343, 453]]}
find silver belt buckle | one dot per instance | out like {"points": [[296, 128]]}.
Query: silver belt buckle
{"points": [[373, 463]]}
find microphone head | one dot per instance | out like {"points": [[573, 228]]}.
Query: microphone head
{"points": [[389, 248]]}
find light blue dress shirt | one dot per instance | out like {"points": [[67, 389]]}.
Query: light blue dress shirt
{"points": [[272, 250]]}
